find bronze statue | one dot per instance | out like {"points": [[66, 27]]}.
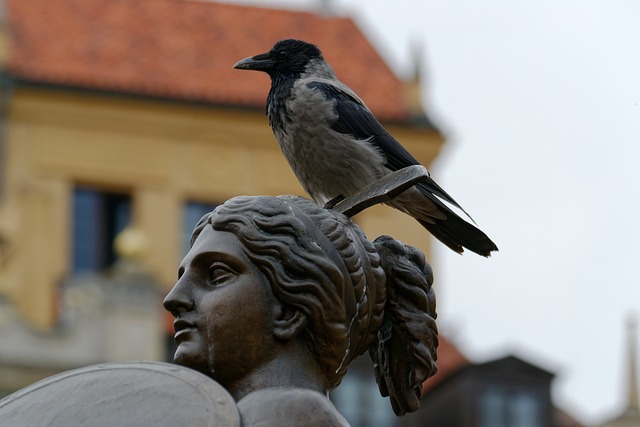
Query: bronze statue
{"points": [[275, 298], [278, 295]]}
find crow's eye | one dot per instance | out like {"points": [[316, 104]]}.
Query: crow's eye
{"points": [[282, 53]]}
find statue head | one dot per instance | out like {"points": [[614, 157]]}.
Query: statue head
{"points": [[338, 294]]}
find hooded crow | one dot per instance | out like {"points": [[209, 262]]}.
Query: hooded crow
{"points": [[336, 147]]}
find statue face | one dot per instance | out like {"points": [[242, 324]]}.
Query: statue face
{"points": [[224, 309]]}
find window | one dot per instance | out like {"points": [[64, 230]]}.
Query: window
{"points": [[98, 217], [526, 410], [493, 408], [192, 213], [347, 400], [358, 399], [506, 407]]}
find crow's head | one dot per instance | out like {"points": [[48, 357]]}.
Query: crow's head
{"points": [[286, 57]]}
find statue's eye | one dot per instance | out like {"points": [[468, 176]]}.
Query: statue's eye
{"points": [[220, 273]]}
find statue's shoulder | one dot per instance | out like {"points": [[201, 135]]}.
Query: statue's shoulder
{"points": [[122, 394], [289, 407]]}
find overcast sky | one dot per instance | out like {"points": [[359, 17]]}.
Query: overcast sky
{"points": [[541, 105]]}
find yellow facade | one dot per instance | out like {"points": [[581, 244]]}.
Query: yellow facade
{"points": [[160, 152]]}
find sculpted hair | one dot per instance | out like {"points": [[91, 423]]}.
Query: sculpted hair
{"points": [[351, 291], [404, 354]]}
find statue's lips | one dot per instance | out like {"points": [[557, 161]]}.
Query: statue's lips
{"points": [[182, 327]]}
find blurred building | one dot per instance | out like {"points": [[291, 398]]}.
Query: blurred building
{"points": [[111, 315], [118, 113], [506, 392], [358, 397]]}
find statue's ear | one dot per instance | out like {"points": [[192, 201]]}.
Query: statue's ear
{"points": [[288, 323]]}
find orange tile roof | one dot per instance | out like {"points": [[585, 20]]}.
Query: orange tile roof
{"points": [[184, 49]]}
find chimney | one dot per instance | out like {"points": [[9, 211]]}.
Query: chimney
{"points": [[632, 404]]}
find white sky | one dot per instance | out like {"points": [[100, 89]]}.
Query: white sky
{"points": [[540, 101]]}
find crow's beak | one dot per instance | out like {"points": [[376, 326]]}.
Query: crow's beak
{"points": [[262, 62]]}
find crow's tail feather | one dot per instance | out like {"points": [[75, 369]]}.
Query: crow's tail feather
{"points": [[457, 234], [450, 228]]}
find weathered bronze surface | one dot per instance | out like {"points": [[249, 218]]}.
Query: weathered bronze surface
{"points": [[278, 295], [382, 190], [136, 394]]}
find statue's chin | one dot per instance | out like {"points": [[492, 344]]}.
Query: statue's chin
{"points": [[191, 358]]}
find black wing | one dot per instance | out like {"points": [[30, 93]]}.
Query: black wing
{"points": [[355, 119]]}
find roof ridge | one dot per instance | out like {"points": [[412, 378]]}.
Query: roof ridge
{"points": [[270, 7]]}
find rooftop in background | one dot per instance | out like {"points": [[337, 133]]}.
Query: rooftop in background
{"points": [[450, 361], [184, 50]]}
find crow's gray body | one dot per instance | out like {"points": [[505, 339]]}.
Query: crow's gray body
{"points": [[307, 137], [336, 147]]}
